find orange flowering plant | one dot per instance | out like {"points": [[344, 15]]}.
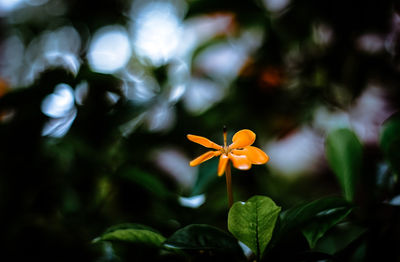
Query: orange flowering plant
{"points": [[240, 152]]}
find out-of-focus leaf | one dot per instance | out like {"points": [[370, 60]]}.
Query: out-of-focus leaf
{"points": [[207, 174], [253, 222], [123, 226], [323, 221], [390, 141], [203, 237], [132, 233], [324, 212], [339, 238], [147, 181], [344, 154]]}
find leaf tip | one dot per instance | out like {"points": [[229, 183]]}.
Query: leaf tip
{"points": [[96, 240]]}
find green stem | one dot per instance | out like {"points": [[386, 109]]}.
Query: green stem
{"points": [[229, 184]]}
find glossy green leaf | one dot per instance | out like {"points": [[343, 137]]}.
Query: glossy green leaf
{"points": [[322, 222], [203, 237], [390, 141], [128, 226], [344, 154], [339, 238], [253, 222], [314, 218], [297, 216], [132, 233]]}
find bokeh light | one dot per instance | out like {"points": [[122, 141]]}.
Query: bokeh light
{"points": [[110, 49], [59, 102], [192, 202], [276, 5], [9, 5], [174, 162], [201, 95], [60, 107], [157, 29], [297, 154]]}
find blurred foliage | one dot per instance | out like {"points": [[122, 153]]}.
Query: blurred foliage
{"points": [[58, 195], [344, 153]]}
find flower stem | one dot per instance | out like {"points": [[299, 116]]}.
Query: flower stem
{"points": [[229, 185]]}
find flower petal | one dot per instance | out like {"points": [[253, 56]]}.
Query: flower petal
{"points": [[203, 141], [204, 157], [223, 161], [254, 154], [243, 138], [240, 161]]}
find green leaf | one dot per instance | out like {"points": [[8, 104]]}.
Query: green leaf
{"points": [[129, 226], [390, 141], [299, 215], [147, 181], [206, 176], [253, 222], [203, 237], [132, 233], [314, 218], [339, 238], [344, 154], [322, 223]]}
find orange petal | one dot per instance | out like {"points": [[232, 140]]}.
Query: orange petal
{"points": [[223, 161], [240, 161], [243, 138], [254, 154], [203, 141], [204, 157]]}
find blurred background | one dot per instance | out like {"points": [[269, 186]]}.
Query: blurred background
{"points": [[96, 99]]}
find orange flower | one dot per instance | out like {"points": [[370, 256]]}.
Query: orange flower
{"points": [[240, 152]]}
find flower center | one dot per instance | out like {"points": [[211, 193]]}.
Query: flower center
{"points": [[225, 150]]}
